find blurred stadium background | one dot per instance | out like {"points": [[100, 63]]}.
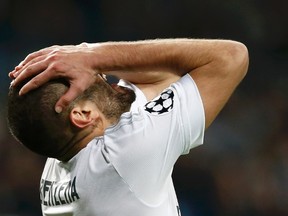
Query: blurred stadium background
{"points": [[242, 170]]}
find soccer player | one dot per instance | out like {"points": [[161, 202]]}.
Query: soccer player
{"points": [[109, 152]]}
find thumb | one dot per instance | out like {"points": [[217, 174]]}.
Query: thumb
{"points": [[67, 98]]}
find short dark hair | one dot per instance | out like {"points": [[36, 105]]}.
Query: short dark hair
{"points": [[33, 121]]}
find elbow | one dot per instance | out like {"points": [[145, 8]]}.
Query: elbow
{"points": [[236, 58], [240, 58]]}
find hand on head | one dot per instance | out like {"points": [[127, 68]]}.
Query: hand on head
{"points": [[68, 62]]}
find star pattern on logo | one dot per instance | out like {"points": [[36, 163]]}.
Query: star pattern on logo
{"points": [[161, 104]]}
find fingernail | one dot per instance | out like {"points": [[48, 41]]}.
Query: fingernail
{"points": [[11, 75], [12, 82], [58, 109], [21, 92], [16, 74]]}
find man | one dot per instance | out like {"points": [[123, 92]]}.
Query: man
{"points": [[121, 165]]}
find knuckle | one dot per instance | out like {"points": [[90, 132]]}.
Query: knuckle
{"points": [[35, 83], [29, 69], [30, 56], [55, 46], [54, 56], [56, 66]]}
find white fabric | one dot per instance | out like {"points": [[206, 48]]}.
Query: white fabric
{"points": [[140, 99], [127, 172]]}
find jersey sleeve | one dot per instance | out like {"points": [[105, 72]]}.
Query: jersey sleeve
{"points": [[191, 112], [182, 110], [145, 144], [140, 99]]}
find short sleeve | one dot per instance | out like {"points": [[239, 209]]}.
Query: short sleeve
{"points": [[140, 100], [191, 112], [145, 145]]}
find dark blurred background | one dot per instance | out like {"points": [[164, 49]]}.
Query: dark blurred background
{"points": [[243, 167]]}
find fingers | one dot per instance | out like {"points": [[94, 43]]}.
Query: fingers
{"points": [[38, 53], [84, 44], [77, 86], [34, 83], [67, 62], [67, 98], [31, 57], [29, 70]]}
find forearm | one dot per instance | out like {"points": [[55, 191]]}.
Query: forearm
{"points": [[156, 57], [217, 66]]}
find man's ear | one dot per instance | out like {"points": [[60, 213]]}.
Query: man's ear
{"points": [[84, 114]]}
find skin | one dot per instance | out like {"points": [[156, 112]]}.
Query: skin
{"points": [[90, 120], [87, 117], [217, 67]]}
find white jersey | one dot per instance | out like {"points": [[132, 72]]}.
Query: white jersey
{"points": [[127, 171]]}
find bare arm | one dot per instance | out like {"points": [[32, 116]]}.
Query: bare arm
{"points": [[217, 66]]}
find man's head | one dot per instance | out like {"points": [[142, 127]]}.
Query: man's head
{"points": [[33, 121]]}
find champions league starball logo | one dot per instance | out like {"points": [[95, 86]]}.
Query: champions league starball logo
{"points": [[161, 104]]}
